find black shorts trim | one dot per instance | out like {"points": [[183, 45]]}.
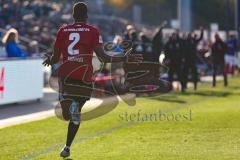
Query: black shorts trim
{"points": [[74, 89]]}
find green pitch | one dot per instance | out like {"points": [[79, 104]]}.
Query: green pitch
{"points": [[201, 125]]}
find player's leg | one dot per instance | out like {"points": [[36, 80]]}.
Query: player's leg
{"points": [[194, 75], [214, 74], [170, 73], [179, 71], [224, 74], [232, 65], [75, 121], [185, 74], [73, 126]]}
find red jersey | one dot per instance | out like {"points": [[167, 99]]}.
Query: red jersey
{"points": [[76, 43]]}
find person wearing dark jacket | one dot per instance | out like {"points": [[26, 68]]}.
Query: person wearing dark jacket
{"points": [[173, 56], [137, 43], [190, 58], [147, 48], [219, 49], [157, 43]]}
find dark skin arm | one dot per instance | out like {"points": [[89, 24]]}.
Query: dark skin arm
{"points": [[103, 57], [158, 35], [50, 60], [128, 57], [201, 36]]}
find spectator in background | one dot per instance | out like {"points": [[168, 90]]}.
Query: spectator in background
{"points": [[2, 49], [157, 43], [137, 43], [10, 40], [117, 41], [232, 47], [174, 57], [147, 48], [1, 35], [129, 28], [219, 49], [33, 49], [190, 57]]}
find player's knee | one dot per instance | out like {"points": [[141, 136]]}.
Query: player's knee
{"points": [[75, 114]]}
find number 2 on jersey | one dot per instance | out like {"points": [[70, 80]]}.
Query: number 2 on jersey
{"points": [[75, 38]]}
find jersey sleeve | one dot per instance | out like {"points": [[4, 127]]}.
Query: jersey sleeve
{"points": [[59, 40], [97, 39]]}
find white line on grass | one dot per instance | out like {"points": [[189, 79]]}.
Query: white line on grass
{"points": [[109, 130]]}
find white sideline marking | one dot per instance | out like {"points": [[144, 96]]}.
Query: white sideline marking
{"points": [[93, 103], [26, 118]]}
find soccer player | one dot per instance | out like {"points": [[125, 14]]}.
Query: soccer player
{"points": [[75, 43]]}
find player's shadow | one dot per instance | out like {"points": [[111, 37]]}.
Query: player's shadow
{"points": [[234, 87], [170, 98], [67, 158], [210, 93]]}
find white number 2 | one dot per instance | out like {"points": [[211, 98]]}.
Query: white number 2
{"points": [[75, 37]]}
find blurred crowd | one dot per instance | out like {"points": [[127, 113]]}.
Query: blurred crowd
{"points": [[37, 21], [187, 55]]}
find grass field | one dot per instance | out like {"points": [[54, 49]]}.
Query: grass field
{"points": [[211, 132]]}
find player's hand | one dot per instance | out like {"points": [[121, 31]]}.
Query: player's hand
{"points": [[47, 61], [135, 58]]}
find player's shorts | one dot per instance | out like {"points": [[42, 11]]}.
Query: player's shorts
{"points": [[229, 59], [74, 90]]}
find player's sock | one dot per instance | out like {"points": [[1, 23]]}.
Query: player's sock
{"points": [[72, 130]]}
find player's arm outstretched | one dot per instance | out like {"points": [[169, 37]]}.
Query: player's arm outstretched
{"points": [[103, 57], [128, 57], [52, 59]]}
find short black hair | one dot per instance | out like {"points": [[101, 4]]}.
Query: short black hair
{"points": [[80, 11]]}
